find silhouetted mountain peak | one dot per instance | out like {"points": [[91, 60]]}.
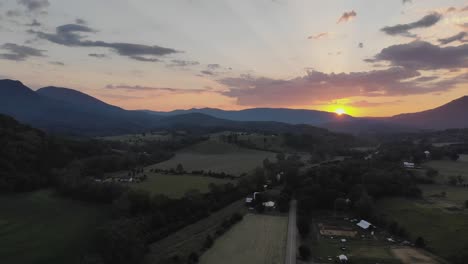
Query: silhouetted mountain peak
{"points": [[14, 88], [74, 97]]}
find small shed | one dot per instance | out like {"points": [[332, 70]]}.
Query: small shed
{"points": [[364, 224], [343, 258]]}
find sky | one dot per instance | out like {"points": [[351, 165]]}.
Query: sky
{"points": [[366, 57]]}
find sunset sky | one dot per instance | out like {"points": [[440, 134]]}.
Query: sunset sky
{"points": [[368, 57]]}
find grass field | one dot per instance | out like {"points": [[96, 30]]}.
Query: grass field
{"points": [[359, 251], [445, 232], [326, 248], [138, 138], [175, 186], [215, 156], [38, 228], [455, 196], [191, 238], [449, 168], [257, 239]]}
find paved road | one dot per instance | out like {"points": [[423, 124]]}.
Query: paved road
{"points": [[291, 242]]}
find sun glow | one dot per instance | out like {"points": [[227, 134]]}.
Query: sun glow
{"points": [[340, 111]]}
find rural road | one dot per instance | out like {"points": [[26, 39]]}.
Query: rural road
{"points": [[291, 241]]}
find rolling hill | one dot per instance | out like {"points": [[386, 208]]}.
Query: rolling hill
{"points": [[283, 115], [66, 111], [450, 115]]}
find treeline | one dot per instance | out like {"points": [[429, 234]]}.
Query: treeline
{"points": [[31, 159], [352, 184], [140, 219]]}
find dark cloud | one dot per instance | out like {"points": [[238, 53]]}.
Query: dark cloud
{"points": [[69, 35], [19, 53], [317, 86], [425, 79], [34, 23], [13, 13], [319, 35], [213, 66], [347, 16], [182, 63], [451, 9], [365, 103], [458, 37], [145, 59], [403, 29], [207, 72], [98, 55], [57, 63], [361, 45], [424, 56], [80, 21], [158, 89], [34, 5], [407, 1]]}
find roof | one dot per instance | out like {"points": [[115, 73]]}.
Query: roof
{"points": [[364, 224]]}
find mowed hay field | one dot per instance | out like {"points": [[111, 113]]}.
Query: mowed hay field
{"points": [[175, 186], [38, 228], [191, 238], [216, 156], [446, 232], [455, 196], [449, 168], [257, 239]]}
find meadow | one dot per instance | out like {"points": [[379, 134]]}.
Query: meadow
{"points": [[138, 138], [191, 238], [359, 251], [256, 239], [40, 228], [454, 195], [449, 168], [445, 232], [175, 186], [216, 156]]}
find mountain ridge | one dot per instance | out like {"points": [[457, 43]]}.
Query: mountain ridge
{"points": [[65, 110]]}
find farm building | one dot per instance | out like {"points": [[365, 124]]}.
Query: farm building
{"points": [[364, 224], [269, 204], [408, 165], [343, 259]]}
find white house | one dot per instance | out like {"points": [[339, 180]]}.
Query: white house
{"points": [[364, 224], [409, 165], [269, 204], [343, 259]]}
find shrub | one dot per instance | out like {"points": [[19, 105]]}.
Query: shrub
{"points": [[304, 252], [420, 242]]}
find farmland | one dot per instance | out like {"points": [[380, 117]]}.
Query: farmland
{"points": [[449, 168], [446, 232], [139, 138], [175, 186], [215, 156], [191, 238], [454, 196], [40, 228], [326, 248], [256, 239]]}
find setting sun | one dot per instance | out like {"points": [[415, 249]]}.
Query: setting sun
{"points": [[340, 111]]}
